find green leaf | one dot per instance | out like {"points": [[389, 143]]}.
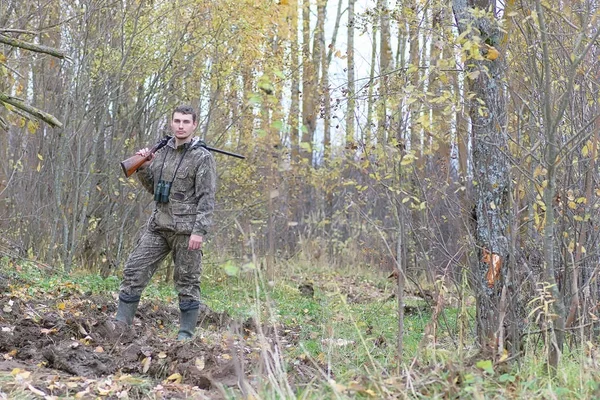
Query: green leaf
{"points": [[277, 125], [486, 365], [231, 269], [279, 74], [306, 146], [506, 378], [255, 99], [248, 267]]}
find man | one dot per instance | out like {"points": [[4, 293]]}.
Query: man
{"points": [[182, 177]]}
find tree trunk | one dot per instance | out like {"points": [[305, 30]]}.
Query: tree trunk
{"points": [[351, 109], [490, 172]]}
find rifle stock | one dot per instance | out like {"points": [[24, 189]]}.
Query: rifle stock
{"points": [[134, 162]]}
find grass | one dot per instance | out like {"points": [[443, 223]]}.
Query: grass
{"points": [[348, 332]]}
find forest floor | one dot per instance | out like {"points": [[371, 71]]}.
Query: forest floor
{"points": [[310, 335]]}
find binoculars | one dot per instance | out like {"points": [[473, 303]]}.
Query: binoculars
{"points": [[163, 189]]}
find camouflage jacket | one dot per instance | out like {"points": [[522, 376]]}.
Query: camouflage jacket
{"points": [[192, 197]]}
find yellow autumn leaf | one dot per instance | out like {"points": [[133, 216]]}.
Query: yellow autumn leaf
{"points": [[40, 157], [572, 205], [32, 126], [370, 393], [175, 378], [162, 355], [492, 53], [146, 364], [60, 306], [504, 355]]}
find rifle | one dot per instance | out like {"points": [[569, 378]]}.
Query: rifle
{"points": [[134, 162]]}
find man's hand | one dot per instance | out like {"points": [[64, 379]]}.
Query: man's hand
{"points": [[195, 242], [146, 154]]}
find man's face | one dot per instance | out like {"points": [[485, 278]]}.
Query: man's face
{"points": [[183, 126]]}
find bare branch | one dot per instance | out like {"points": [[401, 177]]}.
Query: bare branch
{"points": [[18, 31], [44, 116], [33, 47]]}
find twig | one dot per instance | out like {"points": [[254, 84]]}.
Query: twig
{"points": [[18, 31]]}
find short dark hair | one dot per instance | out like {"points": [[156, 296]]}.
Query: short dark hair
{"points": [[185, 109]]}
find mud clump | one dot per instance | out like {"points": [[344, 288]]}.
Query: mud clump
{"points": [[79, 360], [81, 338]]}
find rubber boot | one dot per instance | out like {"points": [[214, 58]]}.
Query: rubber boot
{"points": [[187, 324], [126, 311]]}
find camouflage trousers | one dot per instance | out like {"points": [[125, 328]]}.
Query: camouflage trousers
{"points": [[145, 259]]}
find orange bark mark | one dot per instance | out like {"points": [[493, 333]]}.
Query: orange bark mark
{"points": [[495, 264]]}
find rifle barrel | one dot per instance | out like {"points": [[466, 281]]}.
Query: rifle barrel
{"points": [[224, 152]]}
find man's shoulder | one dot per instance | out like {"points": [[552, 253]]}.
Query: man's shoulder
{"points": [[198, 148]]}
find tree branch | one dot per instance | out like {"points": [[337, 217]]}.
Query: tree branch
{"points": [[44, 116], [38, 48]]}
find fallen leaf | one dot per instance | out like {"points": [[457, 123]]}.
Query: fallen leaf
{"points": [[146, 364], [175, 378], [60, 306], [36, 391], [336, 386], [99, 349], [200, 363], [226, 357], [48, 331], [80, 395], [162, 355]]}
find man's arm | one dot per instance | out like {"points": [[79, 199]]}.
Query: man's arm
{"points": [[144, 173], [206, 183]]}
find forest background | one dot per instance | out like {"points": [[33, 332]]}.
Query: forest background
{"points": [[453, 143]]}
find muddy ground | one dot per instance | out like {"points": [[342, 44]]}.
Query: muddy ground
{"points": [[64, 346]]}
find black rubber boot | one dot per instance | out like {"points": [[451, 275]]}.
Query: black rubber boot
{"points": [[126, 311], [187, 324]]}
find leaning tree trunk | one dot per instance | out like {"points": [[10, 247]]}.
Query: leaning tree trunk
{"points": [[490, 170]]}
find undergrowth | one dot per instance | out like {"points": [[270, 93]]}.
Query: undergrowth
{"points": [[346, 324]]}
